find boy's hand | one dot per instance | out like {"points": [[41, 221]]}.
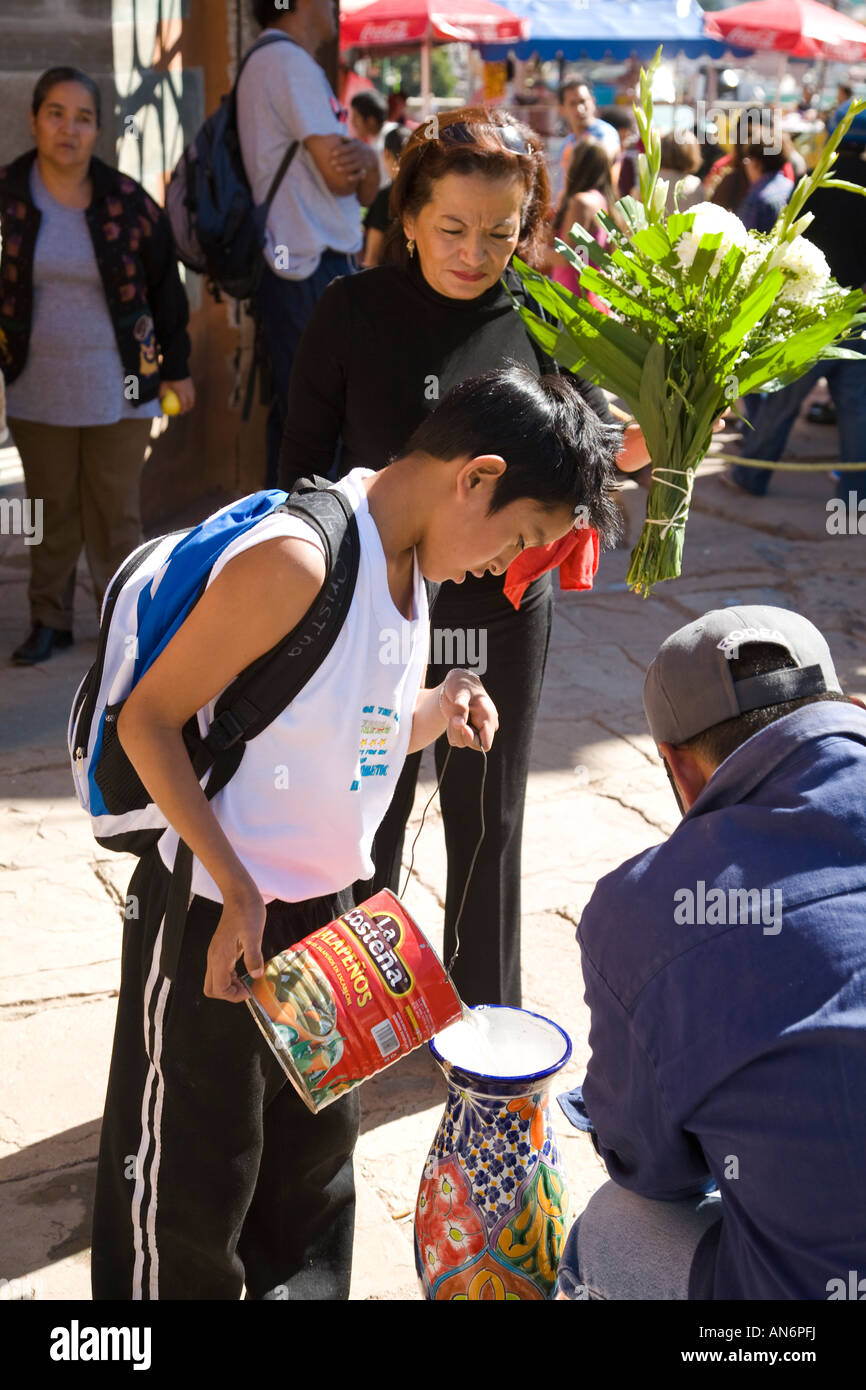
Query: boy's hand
{"points": [[239, 933], [469, 710]]}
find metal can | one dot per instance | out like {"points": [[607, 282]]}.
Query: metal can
{"points": [[352, 998]]}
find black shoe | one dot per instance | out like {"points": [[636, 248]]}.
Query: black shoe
{"points": [[40, 644], [822, 413]]}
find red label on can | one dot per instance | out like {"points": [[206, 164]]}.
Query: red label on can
{"points": [[352, 998]]}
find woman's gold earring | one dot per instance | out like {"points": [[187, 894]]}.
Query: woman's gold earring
{"points": [[410, 246]]}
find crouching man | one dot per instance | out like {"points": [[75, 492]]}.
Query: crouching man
{"points": [[725, 973]]}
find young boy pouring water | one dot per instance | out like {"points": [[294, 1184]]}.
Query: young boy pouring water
{"points": [[212, 1173]]}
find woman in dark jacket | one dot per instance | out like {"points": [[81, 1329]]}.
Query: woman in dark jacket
{"points": [[92, 335], [379, 351]]}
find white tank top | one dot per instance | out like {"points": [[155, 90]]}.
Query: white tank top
{"points": [[311, 790]]}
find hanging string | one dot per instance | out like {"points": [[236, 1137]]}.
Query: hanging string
{"points": [[421, 826], [474, 856], [450, 964]]}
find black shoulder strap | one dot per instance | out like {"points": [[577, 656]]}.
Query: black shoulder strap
{"points": [[262, 691]]}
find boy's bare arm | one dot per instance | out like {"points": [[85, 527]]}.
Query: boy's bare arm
{"points": [[251, 605]]}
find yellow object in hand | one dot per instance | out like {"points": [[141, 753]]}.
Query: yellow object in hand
{"points": [[170, 403]]}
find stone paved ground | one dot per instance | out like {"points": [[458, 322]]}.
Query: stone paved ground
{"points": [[597, 795]]}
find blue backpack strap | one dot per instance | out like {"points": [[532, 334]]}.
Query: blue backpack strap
{"points": [[264, 688]]}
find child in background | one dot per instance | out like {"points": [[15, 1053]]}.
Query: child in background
{"points": [[377, 217], [681, 160], [590, 188]]}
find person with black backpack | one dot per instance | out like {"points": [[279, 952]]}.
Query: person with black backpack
{"points": [[212, 1173], [313, 227]]}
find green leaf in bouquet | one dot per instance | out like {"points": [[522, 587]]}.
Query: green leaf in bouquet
{"points": [[679, 222], [847, 187], [633, 212], [835, 351], [588, 244], [647, 277], [790, 359], [652, 242], [625, 303], [728, 272], [752, 308], [704, 257]]}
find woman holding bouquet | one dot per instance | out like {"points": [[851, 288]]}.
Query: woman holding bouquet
{"points": [[380, 349]]}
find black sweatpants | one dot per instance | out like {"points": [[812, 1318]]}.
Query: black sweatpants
{"points": [[212, 1172], [487, 969]]}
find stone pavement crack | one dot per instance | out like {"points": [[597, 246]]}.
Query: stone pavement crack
{"points": [[108, 884], [626, 738], [38, 767], [17, 1009], [60, 1168], [627, 806], [568, 916], [422, 882]]}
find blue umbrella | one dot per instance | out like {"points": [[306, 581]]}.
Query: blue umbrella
{"points": [[609, 28]]}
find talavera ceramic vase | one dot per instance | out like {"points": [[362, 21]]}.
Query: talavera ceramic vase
{"points": [[491, 1216]]}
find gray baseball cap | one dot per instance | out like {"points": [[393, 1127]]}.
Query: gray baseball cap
{"points": [[689, 686]]}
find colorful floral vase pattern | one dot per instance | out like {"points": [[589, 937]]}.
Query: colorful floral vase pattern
{"points": [[490, 1222]]}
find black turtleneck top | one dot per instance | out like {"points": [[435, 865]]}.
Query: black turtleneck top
{"points": [[380, 350]]}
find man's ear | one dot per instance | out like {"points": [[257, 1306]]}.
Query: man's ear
{"points": [[688, 772]]}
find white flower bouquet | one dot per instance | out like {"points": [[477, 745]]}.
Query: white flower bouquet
{"points": [[701, 312]]}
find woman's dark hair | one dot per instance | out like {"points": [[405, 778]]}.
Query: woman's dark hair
{"points": [[557, 450], [266, 12], [770, 160], [681, 152], [473, 140], [371, 106], [590, 168], [395, 140], [54, 76], [622, 118]]}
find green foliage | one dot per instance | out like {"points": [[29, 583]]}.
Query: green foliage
{"points": [[691, 327]]}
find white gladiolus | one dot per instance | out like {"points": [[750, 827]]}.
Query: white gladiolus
{"points": [[710, 219], [660, 197]]}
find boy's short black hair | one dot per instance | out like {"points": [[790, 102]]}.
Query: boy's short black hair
{"points": [[557, 450], [372, 106], [265, 12], [53, 76]]}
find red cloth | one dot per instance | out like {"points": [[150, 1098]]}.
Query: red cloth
{"points": [[576, 555]]}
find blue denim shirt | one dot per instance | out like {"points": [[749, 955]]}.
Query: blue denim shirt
{"points": [[733, 1051], [764, 201]]}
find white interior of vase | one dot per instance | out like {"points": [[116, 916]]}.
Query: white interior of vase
{"points": [[501, 1042]]}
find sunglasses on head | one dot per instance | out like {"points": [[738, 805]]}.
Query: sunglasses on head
{"points": [[459, 132]]}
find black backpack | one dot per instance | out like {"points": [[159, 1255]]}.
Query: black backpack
{"points": [[122, 813], [218, 229]]}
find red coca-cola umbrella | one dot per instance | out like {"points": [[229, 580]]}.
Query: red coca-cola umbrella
{"points": [[405, 23], [799, 28]]}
